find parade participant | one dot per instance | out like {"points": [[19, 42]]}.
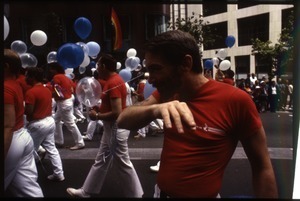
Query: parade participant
{"points": [[113, 150], [203, 122], [63, 88], [20, 172], [41, 125]]}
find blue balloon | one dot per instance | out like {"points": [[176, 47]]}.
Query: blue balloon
{"points": [[230, 40], [125, 74], [70, 55], [208, 64], [148, 90], [83, 27]]}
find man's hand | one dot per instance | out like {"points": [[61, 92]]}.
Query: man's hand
{"points": [[176, 112]]}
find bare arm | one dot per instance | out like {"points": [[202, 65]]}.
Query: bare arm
{"points": [[264, 182], [116, 105], [138, 116], [29, 111], [9, 123]]}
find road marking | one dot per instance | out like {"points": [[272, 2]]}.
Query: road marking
{"points": [[154, 153]]}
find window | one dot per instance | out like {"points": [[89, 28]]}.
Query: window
{"points": [[253, 27], [155, 24], [219, 33], [214, 7], [242, 66]]}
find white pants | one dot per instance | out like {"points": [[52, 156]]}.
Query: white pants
{"points": [[42, 133], [113, 150], [64, 113], [92, 127], [20, 172]]}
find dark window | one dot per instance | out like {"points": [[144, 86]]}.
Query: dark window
{"points": [[155, 24], [219, 33], [262, 64], [242, 64], [246, 4], [214, 7], [253, 27], [285, 17]]}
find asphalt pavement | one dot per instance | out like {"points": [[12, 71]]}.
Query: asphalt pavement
{"points": [[145, 152]]}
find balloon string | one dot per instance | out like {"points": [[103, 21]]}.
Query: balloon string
{"points": [[122, 84]]}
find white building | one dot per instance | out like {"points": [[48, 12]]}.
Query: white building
{"points": [[243, 22]]}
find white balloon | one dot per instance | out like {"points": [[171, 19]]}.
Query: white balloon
{"points": [[51, 57], [6, 27], [119, 65], [19, 47], [222, 54], [224, 65], [38, 38], [69, 70], [84, 47], [86, 60], [215, 61], [131, 52]]}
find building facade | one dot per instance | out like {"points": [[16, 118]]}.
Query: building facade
{"points": [[263, 21]]}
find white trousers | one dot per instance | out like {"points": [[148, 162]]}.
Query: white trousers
{"points": [[20, 172], [92, 127], [64, 112], [113, 150], [42, 133]]}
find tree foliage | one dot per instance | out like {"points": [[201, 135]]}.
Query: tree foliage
{"points": [[280, 55], [196, 26]]}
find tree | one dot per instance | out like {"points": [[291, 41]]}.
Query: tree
{"points": [[279, 55], [196, 26]]}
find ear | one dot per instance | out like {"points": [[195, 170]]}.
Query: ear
{"points": [[187, 63]]}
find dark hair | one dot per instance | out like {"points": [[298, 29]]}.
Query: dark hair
{"points": [[57, 67], [173, 46], [109, 61], [35, 73], [13, 60]]}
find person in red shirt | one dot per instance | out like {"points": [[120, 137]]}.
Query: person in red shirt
{"points": [[20, 172], [203, 122], [113, 148], [63, 88], [41, 125]]}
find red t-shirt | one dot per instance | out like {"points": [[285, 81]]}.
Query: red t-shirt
{"points": [[41, 98], [22, 81], [13, 95], [140, 90], [114, 87], [193, 163], [67, 86]]}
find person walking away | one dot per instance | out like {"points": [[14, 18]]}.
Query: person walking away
{"points": [[62, 93], [203, 122], [41, 125], [20, 172], [113, 148]]}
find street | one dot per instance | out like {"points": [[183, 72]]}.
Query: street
{"points": [[145, 152]]}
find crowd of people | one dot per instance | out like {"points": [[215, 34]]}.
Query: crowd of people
{"points": [[198, 142]]}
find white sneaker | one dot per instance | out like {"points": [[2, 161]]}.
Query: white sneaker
{"points": [[54, 177], [79, 193], [85, 137], [155, 168]]}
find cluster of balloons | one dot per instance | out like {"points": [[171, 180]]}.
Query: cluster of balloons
{"points": [[221, 55], [132, 63], [27, 59]]}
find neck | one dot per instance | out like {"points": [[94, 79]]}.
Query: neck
{"points": [[191, 85]]}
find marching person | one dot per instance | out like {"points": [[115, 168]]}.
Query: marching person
{"points": [[20, 172], [203, 122]]}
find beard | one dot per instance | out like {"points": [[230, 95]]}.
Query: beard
{"points": [[169, 89]]}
